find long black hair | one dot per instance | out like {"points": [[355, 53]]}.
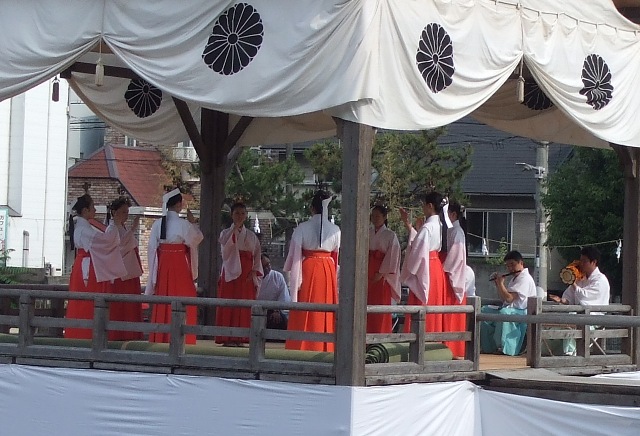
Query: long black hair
{"points": [[115, 205], [436, 199], [316, 205], [82, 202], [383, 210], [163, 225], [456, 207]]}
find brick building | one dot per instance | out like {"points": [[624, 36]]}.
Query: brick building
{"points": [[134, 172]]}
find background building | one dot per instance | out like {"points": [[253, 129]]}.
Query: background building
{"points": [[33, 154]]}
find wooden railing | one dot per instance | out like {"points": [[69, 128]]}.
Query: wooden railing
{"points": [[260, 361], [558, 322], [256, 362]]}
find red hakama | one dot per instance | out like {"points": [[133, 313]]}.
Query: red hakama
{"points": [[434, 322], [241, 288], [174, 279], [130, 312], [454, 322], [82, 309], [319, 285], [379, 293]]}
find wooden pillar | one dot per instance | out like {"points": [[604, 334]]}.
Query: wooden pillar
{"points": [[357, 144], [630, 160], [214, 130]]}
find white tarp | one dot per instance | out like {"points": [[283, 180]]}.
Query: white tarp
{"points": [[398, 64], [87, 402]]}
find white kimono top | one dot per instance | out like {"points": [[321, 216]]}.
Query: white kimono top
{"points": [[179, 231], [456, 261], [306, 237], [104, 249], [415, 269], [386, 241], [524, 286], [470, 282], [245, 240], [128, 245], [590, 291]]}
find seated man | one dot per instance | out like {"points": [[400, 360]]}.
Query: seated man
{"points": [[592, 290], [508, 336], [274, 288]]}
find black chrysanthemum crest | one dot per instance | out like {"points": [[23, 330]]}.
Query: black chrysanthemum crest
{"points": [[143, 98], [235, 40], [435, 57], [534, 98], [596, 79]]}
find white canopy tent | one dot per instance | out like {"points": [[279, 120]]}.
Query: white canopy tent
{"points": [[395, 64], [285, 71]]}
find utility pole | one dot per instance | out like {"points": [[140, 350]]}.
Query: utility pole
{"points": [[540, 173], [542, 164]]}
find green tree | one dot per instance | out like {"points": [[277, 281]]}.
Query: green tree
{"points": [[585, 204], [404, 166], [265, 183], [10, 275], [411, 164]]}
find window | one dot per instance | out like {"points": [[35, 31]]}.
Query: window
{"points": [[130, 142], [25, 249], [515, 228], [493, 226]]}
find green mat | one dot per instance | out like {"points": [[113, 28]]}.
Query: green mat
{"points": [[376, 353], [399, 352]]}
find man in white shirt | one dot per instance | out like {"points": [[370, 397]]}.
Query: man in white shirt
{"points": [[274, 288], [508, 336], [592, 290]]}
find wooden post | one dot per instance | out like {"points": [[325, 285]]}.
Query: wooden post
{"points": [[416, 349], [583, 345], [357, 144], [472, 349], [256, 339], [100, 317], [630, 160], [176, 335], [534, 334], [214, 128], [24, 321]]}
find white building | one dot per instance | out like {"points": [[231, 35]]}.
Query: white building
{"points": [[33, 168]]}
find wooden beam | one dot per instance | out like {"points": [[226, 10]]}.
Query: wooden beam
{"points": [[236, 133], [89, 68], [630, 160], [357, 144], [190, 126]]}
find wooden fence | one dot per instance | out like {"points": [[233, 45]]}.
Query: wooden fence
{"points": [[260, 361]]}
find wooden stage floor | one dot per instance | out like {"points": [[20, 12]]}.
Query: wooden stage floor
{"points": [[501, 361]]}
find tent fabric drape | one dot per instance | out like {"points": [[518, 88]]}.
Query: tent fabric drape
{"points": [[396, 64], [88, 401]]}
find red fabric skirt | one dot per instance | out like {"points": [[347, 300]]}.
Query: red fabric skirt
{"points": [[379, 293], [454, 322], [174, 279], [434, 322], [319, 285], [82, 309], [241, 288], [120, 311]]}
